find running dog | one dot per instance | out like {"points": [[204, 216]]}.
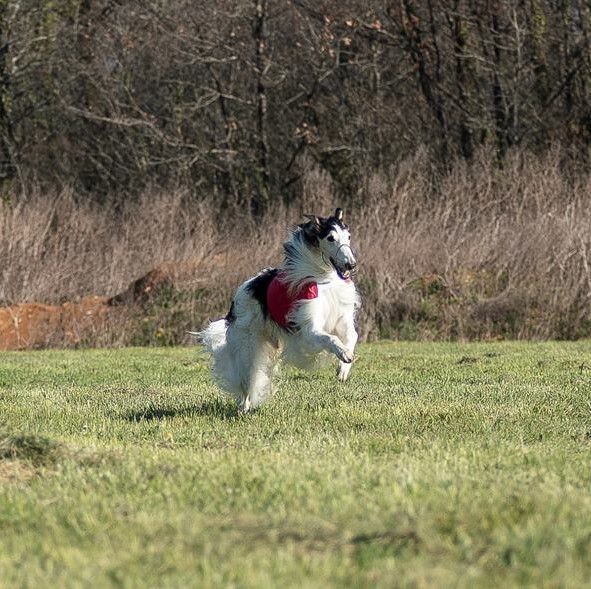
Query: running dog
{"points": [[294, 312]]}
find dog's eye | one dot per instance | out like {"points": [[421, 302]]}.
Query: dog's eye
{"points": [[330, 238]]}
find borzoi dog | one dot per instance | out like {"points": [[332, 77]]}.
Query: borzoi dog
{"points": [[294, 312]]}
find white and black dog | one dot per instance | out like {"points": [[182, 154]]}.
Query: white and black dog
{"points": [[294, 312]]}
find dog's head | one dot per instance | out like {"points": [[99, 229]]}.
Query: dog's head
{"points": [[331, 236]]}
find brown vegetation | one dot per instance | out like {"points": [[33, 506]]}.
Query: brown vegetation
{"points": [[480, 253]]}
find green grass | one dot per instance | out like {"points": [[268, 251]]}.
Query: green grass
{"points": [[435, 465]]}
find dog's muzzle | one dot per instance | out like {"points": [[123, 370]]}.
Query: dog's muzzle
{"points": [[345, 262]]}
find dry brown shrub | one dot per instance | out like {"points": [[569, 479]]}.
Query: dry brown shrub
{"points": [[480, 252]]}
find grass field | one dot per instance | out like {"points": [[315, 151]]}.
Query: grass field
{"points": [[436, 465]]}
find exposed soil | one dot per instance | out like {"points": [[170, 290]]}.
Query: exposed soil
{"points": [[26, 326], [36, 325]]}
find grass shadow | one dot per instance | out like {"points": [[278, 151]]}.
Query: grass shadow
{"points": [[218, 409]]}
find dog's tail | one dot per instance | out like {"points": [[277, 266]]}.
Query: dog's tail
{"points": [[213, 337]]}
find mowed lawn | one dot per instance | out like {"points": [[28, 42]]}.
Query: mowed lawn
{"points": [[435, 465]]}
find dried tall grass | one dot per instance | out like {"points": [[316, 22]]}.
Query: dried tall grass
{"points": [[54, 248], [498, 253], [481, 252]]}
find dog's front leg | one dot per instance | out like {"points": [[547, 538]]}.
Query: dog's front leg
{"points": [[320, 340], [350, 340], [311, 322], [347, 332]]}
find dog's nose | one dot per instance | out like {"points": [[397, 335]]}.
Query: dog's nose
{"points": [[350, 265]]}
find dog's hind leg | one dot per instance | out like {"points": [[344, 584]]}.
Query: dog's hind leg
{"points": [[239, 365], [261, 378], [249, 365], [231, 358]]}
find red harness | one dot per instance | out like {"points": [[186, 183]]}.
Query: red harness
{"points": [[280, 301]]}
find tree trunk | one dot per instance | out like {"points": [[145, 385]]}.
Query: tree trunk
{"points": [[260, 199]]}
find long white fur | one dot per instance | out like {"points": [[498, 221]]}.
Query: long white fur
{"points": [[246, 351]]}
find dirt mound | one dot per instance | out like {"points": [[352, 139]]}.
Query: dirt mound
{"points": [[35, 325], [143, 289]]}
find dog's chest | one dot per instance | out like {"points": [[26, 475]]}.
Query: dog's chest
{"points": [[338, 299]]}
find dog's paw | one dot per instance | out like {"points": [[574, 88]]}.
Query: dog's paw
{"points": [[343, 371], [244, 405]]}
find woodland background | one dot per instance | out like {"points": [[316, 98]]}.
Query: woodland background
{"points": [[173, 143]]}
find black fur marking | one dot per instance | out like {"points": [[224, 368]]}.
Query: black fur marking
{"points": [[309, 233], [231, 316], [258, 287], [313, 232], [328, 225]]}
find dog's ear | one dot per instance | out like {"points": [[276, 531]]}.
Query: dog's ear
{"points": [[313, 219], [338, 215], [311, 229]]}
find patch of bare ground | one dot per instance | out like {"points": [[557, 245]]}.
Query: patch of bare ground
{"points": [[21, 456], [15, 471], [25, 456], [71, 324], [36, 325]]}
